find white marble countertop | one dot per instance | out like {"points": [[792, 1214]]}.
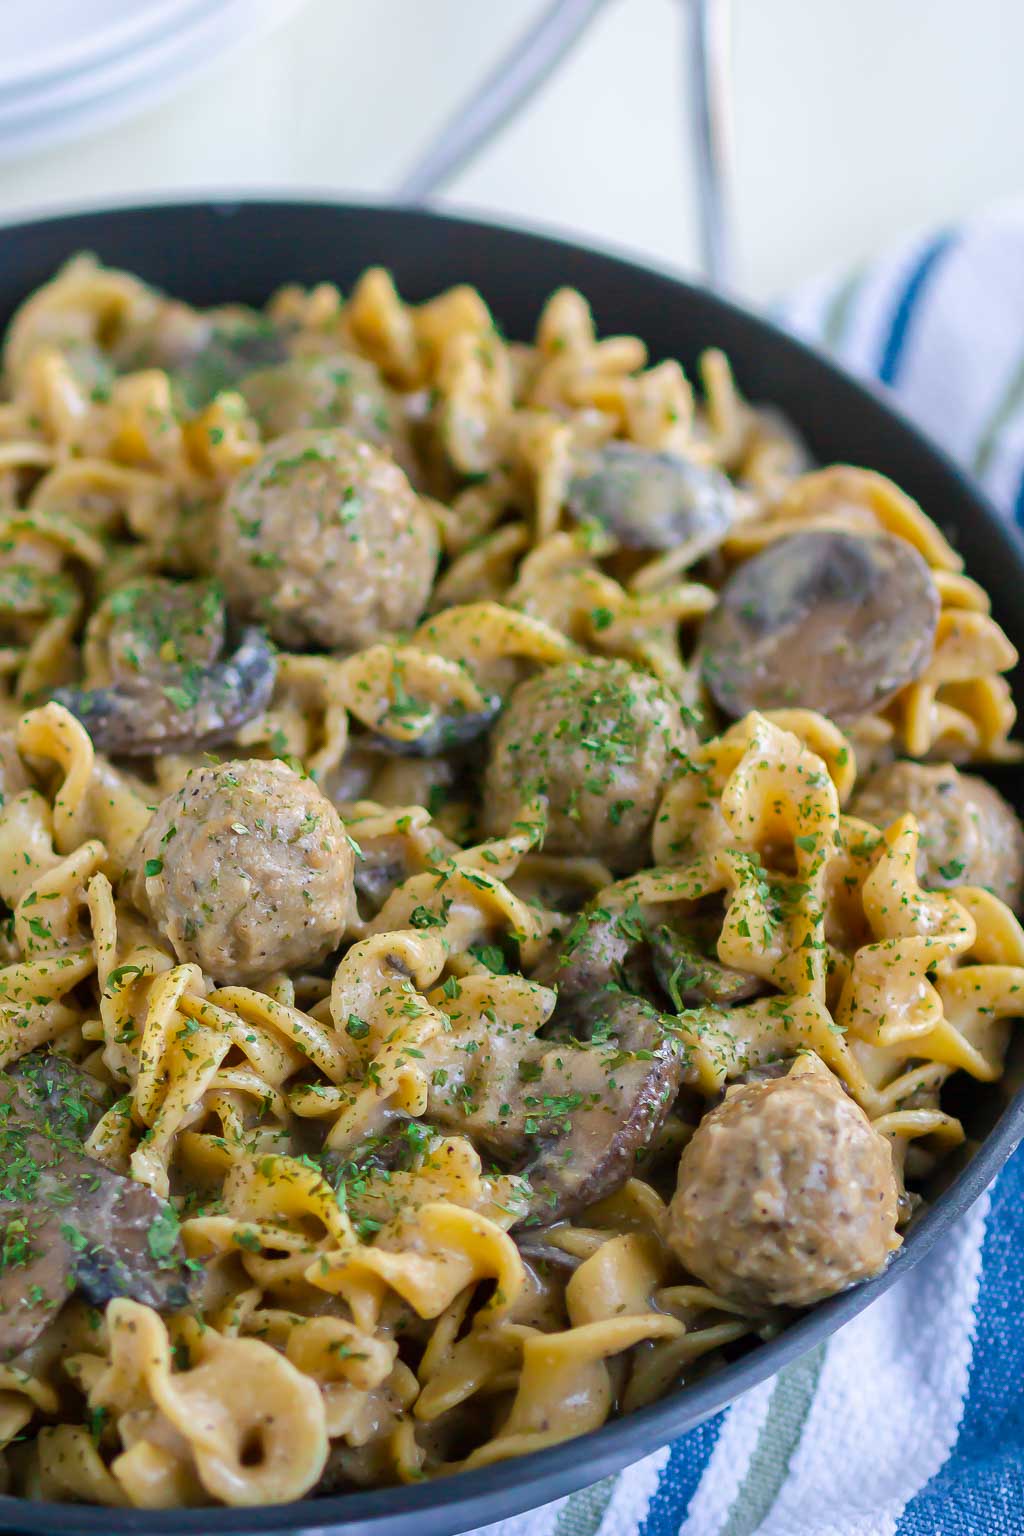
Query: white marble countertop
{"points": [[858, 120]]}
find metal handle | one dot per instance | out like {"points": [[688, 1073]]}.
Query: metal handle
{"points": [[519, 75], [711, 131], [535, 57]]}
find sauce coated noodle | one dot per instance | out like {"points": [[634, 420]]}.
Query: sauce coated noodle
{"points": [[421, 997]]}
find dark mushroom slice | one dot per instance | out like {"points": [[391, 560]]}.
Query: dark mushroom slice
{"points": [[632, 950], [597, 1107], [68, 1223], [36, 1274], [766, 1072], [131, 1245], [204, 706], [691, 977], [830, 621], [66, 1100], [653, 500], [601, 947], [393, 1150], [446, 733], [537, 1249], [375, 878], [571, 1115]]}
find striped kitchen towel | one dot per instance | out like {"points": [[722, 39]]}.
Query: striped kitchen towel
{"points": [[910, 1420]]}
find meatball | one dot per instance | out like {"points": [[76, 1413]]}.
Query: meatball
{"points": [[246, 869], [599, 739], [969, 835], [154, 628], [335, 390], [154, 646], [324, 540], [786, 1193]]}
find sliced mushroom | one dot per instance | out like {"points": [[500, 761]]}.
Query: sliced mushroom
{"points": [[446, 733], [690, 977], [376, 877], [570, 1114], [653, 500], [631, 949], [768, 1071], [167, 691], [68, 1222], [537, 1249], [65, 1100], [601, 947], [574, 1108], [597, 1107], [830, 621], [393, 1150]]}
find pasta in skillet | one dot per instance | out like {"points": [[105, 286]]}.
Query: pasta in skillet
{"points": [[479, 824]]}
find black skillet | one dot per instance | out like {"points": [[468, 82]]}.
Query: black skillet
{"points": [[218, 252]]}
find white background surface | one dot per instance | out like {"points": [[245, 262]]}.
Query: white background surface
{"points": [[858, 120]]}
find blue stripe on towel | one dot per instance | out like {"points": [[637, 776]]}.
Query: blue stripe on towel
{"points": [[980, 1489], [679, 1478], [908, 304], [1018, 504]]}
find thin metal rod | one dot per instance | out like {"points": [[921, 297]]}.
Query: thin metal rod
{"points": [[518, 76], [711, 133]]}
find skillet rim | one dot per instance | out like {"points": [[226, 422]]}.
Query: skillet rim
{"points": [[456, 1503]]}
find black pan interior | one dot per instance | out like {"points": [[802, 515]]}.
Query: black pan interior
{"points": [[212, 253]]}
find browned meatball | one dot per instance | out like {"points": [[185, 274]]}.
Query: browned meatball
{"points": [[246, 869], [969, 835], [600, 740], [324, 540], [786, 1193]]}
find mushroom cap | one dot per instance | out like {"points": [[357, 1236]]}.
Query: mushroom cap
{"points": [[246, 870], [786, 1194], [653, 500], [830, 621]]}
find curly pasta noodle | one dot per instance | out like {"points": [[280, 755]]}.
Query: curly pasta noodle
{"points": [[397, 978]]}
